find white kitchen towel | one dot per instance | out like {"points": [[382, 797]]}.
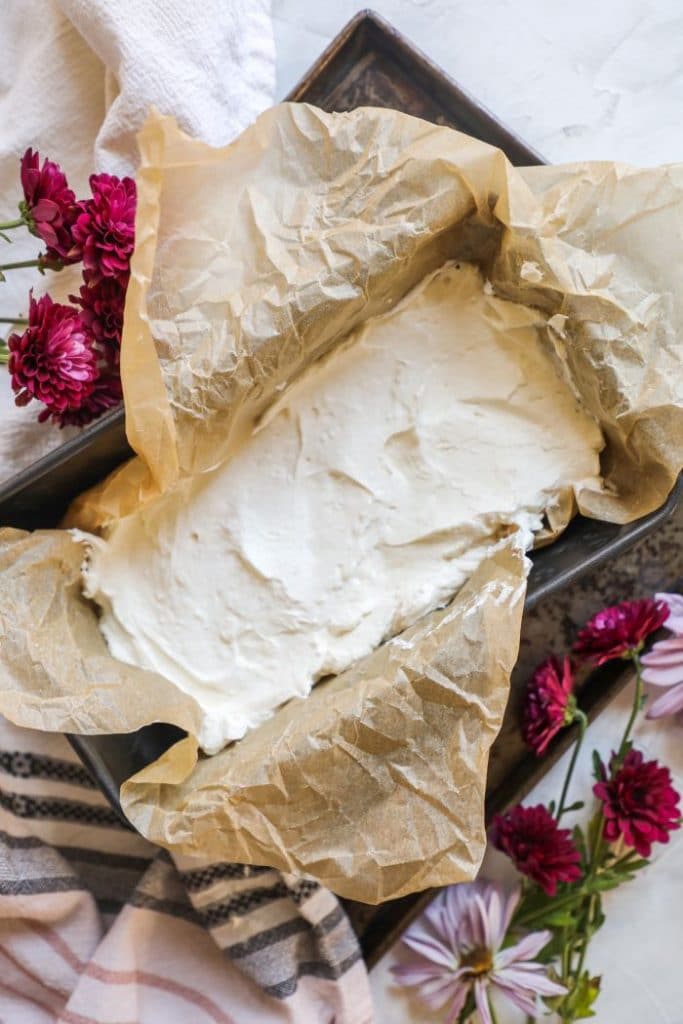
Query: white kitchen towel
{"points": [[77, 78], [97, 926]]}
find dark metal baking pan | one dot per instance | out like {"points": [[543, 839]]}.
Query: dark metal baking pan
{"points": [[369, 63]]}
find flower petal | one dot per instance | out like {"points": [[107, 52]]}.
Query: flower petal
{"points": [[457, 1003], [416, 973], [437, 993], [534, 980], [523, 1000], [481, 999], [527, 1002], [525, 949], [675, 605], [513, 898], [455, 900], [668, 704], [429, 945]]}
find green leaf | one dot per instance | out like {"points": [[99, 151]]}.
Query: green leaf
{"points": [[576, 806], [628, 867], [598, 920], [580, 841], [578, 1004], [605, 882], [597, 766], [594, 826], [560, 919], [553, 950]]}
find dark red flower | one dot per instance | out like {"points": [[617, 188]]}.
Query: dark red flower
{"points": [[548, 703], [105, 228], [619, 631], [53, 360], [639, 803], [106, 394], [49, 208], [537, 846], [102, 311]]}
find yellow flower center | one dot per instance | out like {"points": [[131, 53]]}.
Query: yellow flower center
{"points": [[477, 961]]}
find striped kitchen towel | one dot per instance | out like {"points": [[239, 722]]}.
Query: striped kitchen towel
{"points": [[99, 927]]}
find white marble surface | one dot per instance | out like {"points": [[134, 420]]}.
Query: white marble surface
{"points": [[578, 81], [581, 80]]}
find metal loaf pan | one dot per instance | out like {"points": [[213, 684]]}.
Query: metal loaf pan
{"points": [[369, 63]]}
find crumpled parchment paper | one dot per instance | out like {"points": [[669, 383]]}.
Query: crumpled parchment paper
{"points": [[251, 261]]}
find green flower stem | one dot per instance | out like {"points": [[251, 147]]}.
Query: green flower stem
{"points": [[593, 865], [13, 320], [494, 1016], [19, 264], [566, 961], [538, 915], [596, 853], [637, 701], [4, 352], [579, 717], [9, 224], [584, 944], [586, 899]]}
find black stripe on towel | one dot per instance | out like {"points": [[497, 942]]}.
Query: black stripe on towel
{"points": [[162, 906], [204, 878], [23, 806], [24, 765], [39, 886], [317, 969]]}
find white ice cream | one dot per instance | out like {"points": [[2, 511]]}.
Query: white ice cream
{"points": [[365, 497]]}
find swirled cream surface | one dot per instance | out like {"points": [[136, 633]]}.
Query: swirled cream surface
{"points": [[364, 498]]}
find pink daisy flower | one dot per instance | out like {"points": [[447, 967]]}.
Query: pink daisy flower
{"points": [[458, 944], [664, 663]]}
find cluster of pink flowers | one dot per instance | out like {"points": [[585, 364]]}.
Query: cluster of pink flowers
{"points": [[639, 803], [68, 356], [615, 632], [470, 943]]}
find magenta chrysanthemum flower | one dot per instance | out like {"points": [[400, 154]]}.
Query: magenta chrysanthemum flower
{"points": [[639, 803], [102, 312], [619, 631], [106, 227], [664, 663], [538, 848], [458, 945], [53, 360], [49, 208], [548, 703], [106, 394]]}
